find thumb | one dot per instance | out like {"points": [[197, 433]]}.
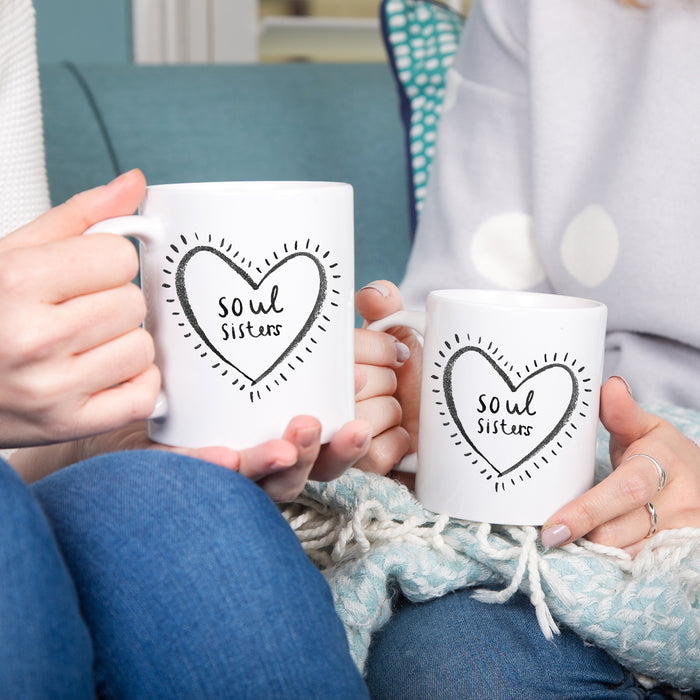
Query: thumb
{"points": [[377, 300], [120, 197], [622, 416]]}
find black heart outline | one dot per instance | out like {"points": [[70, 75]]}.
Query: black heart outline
{"points": [[181, 290], [449, 399]]}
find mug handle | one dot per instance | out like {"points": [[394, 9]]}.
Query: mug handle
{"points": [[410, 319], [417, 321], [147, 230]]}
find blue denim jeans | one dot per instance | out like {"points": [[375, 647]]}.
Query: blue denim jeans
{"points": [[189, 585], [458, 647], [45, 648]]}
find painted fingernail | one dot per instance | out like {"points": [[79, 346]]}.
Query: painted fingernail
{"points": [[382, 289], [307, 436], [625, 382], [555, 535], [402, 351]]}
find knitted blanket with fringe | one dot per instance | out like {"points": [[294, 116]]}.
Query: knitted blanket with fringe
{"points": [[370, 537]]}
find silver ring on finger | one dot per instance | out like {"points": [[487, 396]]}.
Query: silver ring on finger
{"points": [[653, 518], [659, 469]]}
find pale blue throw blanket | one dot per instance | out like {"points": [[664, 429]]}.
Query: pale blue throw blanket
{"points": [[370, 537]]}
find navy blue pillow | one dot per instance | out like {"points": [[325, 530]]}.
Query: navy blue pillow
{"points": [[421, 39]]}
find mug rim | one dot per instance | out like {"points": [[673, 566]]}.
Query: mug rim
{"points": [[515, 299], [246, 186]]}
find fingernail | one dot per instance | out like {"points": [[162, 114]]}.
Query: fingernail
{"points": [[555, 535], [117, 180], [625, 382], [384, 291], [361, 440], [402, 351], [281, 464], [307, 436]]}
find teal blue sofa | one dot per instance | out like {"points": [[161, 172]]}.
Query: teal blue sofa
{"points": [[240, 122]]}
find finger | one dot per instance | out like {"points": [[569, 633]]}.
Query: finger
{"points": [[636, 547], [117, 406], [625, 530], [50, 388], [268, 458], [88, 321], [73, 329], [379, 349], [114, 362], [360, 378], [381, 412], [221, 456], [120, 197], [66, 269], [134, 436], [385, 451], [623, 417], [304, 432], [343, 451], [644, 463], [378, 381], [626, 489], [377, 300]]}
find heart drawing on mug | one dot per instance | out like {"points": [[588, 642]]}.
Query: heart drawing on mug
{"points": [[253, 318], [506, 418]]}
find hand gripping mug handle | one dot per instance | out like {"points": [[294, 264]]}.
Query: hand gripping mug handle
{"points": [[417, 321], [148, 230]]}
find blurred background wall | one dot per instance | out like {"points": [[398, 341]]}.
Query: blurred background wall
{"points": [[210, 31]]}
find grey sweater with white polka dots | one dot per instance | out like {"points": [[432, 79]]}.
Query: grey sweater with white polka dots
{"points": [[568, 161]]}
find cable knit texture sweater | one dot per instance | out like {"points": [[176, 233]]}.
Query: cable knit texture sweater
{"points": [[24, 192]]}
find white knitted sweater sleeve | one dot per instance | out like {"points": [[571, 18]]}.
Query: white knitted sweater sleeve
{"points": [[24, 192]]}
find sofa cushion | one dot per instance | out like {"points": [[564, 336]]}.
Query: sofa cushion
{"points": [[77, 156], [238, 122], [421, 39]]}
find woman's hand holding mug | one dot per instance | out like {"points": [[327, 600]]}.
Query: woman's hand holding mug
{"points": [[508, 402]]}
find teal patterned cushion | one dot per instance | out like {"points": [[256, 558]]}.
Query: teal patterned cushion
{"points": [[421, 39]]}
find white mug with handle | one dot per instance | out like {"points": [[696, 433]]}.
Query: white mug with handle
{"points": [[249, 288], [510, 392]]}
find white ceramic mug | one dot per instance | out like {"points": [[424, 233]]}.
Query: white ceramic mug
{"points": [[509, 404], [249, 288]]}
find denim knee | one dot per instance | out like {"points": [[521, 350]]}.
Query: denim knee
{"points": [[457, 647], [193, 584]]}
